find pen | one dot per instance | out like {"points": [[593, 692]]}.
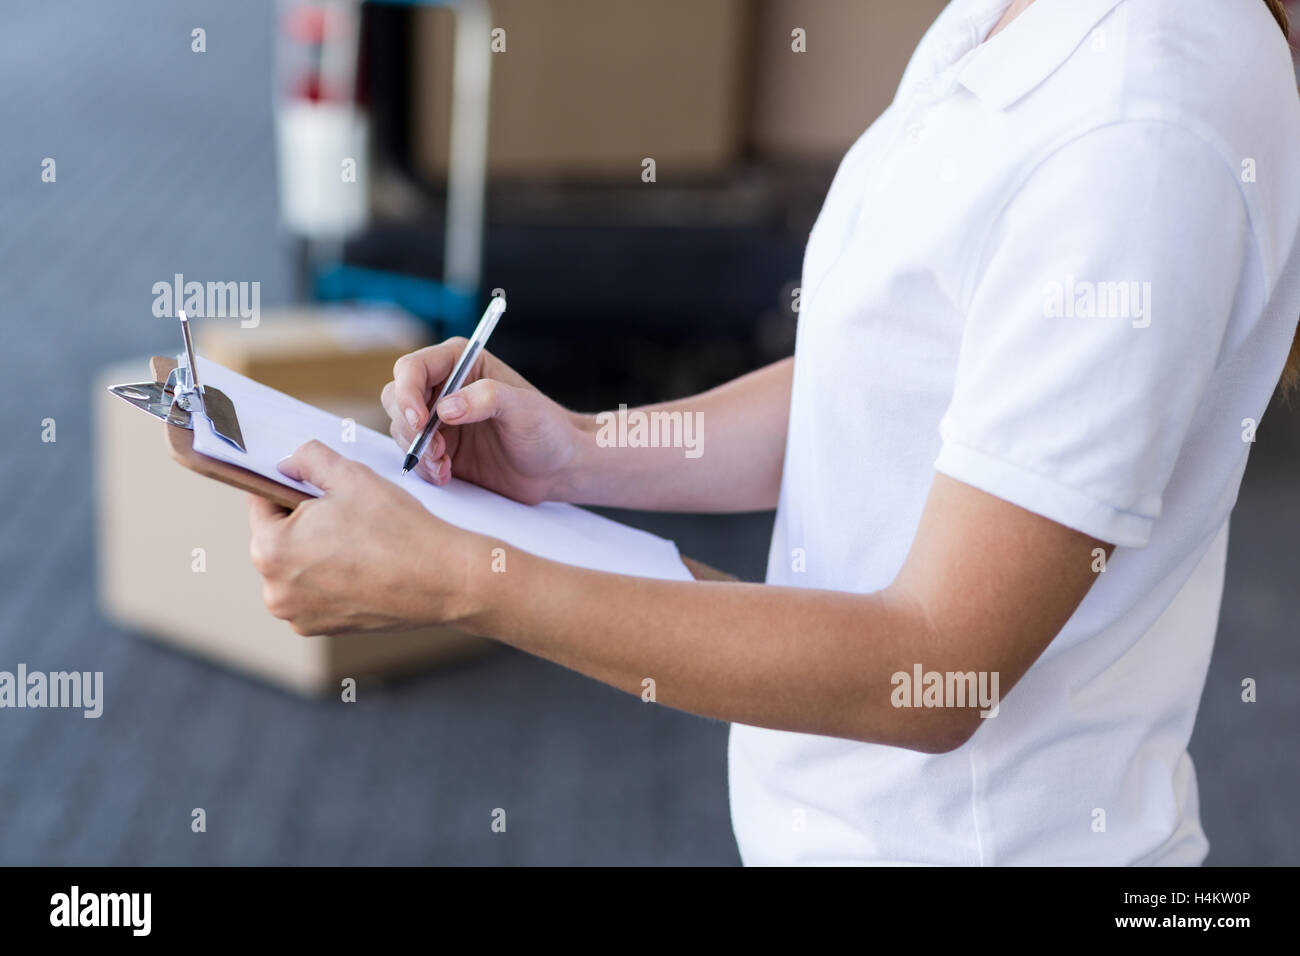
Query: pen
{"points": [[189, 350], [463, 364]]}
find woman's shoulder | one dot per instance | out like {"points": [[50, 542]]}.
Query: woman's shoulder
{"points": [[1223, 68]]}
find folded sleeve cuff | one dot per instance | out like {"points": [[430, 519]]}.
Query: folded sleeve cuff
{"points": [[1044, 496]]}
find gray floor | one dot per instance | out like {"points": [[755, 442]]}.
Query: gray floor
{"points": [[165, 165]]}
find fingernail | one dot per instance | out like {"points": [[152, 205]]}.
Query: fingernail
{"points": [[412, 417], [453, 407]]}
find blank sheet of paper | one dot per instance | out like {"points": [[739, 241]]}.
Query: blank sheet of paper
{"points": [[274, 425]]}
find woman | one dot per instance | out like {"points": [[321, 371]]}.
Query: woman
{"points": [[1050, 291]]}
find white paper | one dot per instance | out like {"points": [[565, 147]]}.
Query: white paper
{"points": [[274, 425]]}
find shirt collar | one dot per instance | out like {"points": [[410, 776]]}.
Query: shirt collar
{"points": [[1029, 50]]}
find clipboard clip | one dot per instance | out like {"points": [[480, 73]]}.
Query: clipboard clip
{"points": [[176, 400]]}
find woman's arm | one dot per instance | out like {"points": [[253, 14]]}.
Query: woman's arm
{"points": [[727, 456], [984, 589], [741, 429]]}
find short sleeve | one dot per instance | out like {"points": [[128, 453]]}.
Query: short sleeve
{"points": [[1097, 310]]}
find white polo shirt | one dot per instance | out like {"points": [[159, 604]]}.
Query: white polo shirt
{"points": [[1062, 268]]}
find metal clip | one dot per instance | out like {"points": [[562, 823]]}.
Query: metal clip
{"points": [[175, 400]]}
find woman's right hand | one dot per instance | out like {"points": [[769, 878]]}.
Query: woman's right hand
{"points": [[497, 430]]}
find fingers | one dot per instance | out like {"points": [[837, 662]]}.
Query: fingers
{"points": [[414, 377], [263, 513], [478, 401], [315, 463], [387, 400], [435, 464], [403, 434], [436, 457], [438, 471], [264, 521]]}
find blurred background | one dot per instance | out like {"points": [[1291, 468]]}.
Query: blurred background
{"points": [[640, 180]]}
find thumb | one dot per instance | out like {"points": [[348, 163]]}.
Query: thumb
{"points": [[315, 463], [481, 400]]}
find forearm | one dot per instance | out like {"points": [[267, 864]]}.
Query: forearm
{"points": [[817, 662], [367, 555], [729, 455]]}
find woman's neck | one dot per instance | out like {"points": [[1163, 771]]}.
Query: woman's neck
{"points": [[1017, 7]]}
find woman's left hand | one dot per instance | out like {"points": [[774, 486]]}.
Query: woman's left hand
{"points": [[365, 556]]}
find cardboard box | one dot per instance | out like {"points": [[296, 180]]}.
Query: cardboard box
{"points": [[815, 104], [342, 354], [173, 546], [589, 88]]}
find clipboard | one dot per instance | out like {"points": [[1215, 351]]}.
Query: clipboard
{"points": [[171, 394], [180, 445]]}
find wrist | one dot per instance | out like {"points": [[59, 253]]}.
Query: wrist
{"points": [[577, 481], [482, 562]]}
